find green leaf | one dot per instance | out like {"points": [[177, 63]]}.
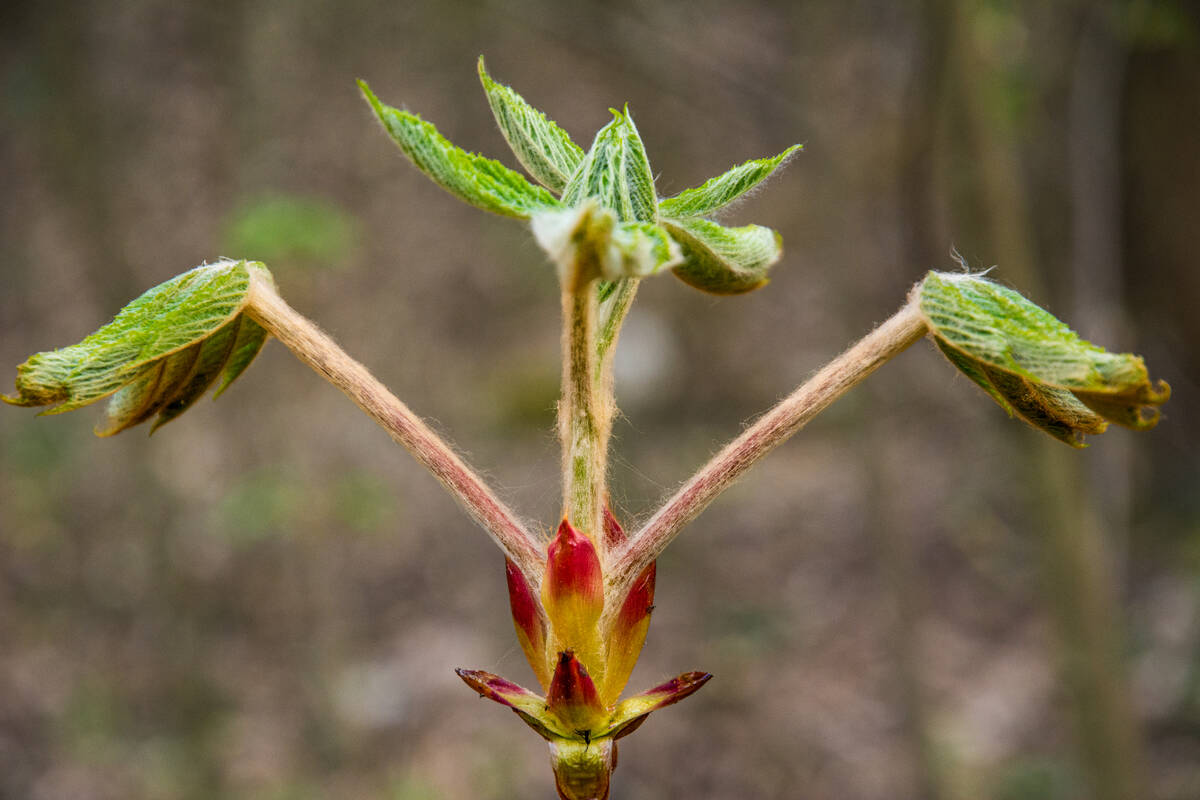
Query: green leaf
{"points": [[1032, 364], [589, 242], [543, 148], [616, 173], [724, 260], [718, 192], [159, 355], [480, 181]]}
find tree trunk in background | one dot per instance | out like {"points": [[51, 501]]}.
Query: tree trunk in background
{"points": [[1077, 571], [896, 554], [1096, 309], [899, 573]]}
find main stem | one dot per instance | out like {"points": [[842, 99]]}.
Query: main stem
{"points": [[839, 376], [319, 351], [584, 413]]}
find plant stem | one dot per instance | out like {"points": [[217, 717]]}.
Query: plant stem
{"points": [[584, 414], [319, 351], [612, 315], [904, 328]]}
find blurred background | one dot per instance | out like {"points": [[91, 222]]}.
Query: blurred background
{"points": [[915, 598]]}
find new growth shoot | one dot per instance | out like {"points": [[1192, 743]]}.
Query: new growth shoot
{"points": [[582, 598]]}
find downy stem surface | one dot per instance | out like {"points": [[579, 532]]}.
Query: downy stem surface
{"points": [[584, 414], [773, 428], [319, 351]]}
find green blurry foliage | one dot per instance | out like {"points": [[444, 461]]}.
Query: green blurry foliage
{"points": [[362, 502], [1161, 24], [262, 504], [306, 232], [1035, 779], [412, 787]]}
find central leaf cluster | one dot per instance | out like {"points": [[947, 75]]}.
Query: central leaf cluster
{"points": [[596, 213]]}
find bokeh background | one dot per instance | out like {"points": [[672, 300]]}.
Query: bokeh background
{"points": [[915, 598]]}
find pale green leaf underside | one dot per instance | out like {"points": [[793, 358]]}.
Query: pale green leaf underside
{"points": [[723, 260], [480, 181], [158, 355], [589, 242], [616, 173], [718, 192], [1032, 364], [544, 149]]}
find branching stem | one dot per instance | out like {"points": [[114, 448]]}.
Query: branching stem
{"points": [[772, 429], [319, 351], [612, 316]]}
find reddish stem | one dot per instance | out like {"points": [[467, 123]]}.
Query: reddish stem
{"points": [[319, 351], [839, 376]]}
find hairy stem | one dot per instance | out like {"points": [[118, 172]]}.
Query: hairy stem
{"points": [[839, 376], [612, 315], [584, 413], [319, 351]]}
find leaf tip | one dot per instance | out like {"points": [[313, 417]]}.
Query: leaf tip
{"points": [[1159, 392], [370, 97]]}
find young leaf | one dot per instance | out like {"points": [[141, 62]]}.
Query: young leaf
{"points": [[724, 260], [718, 192], [1032, 364], [631, 713], [616, 172], [588, 242], [480, 181], [543, 148], [159, 355]]}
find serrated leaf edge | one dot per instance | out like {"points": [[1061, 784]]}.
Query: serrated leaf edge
{"points": [[254, 271], [552, 177], [679, 205]]}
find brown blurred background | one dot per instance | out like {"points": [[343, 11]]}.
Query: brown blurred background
{"points": [[915, 598]]}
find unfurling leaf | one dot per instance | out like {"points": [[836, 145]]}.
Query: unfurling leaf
{"points": [[478, 180], [627, 631], [159, 355], [589, 242], [1032, 364], [529, 619], [527, 705], [572, 696], [631, 713], [544, 149], [573, 586], [718, 192], [723, 260], [616, 172]]}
